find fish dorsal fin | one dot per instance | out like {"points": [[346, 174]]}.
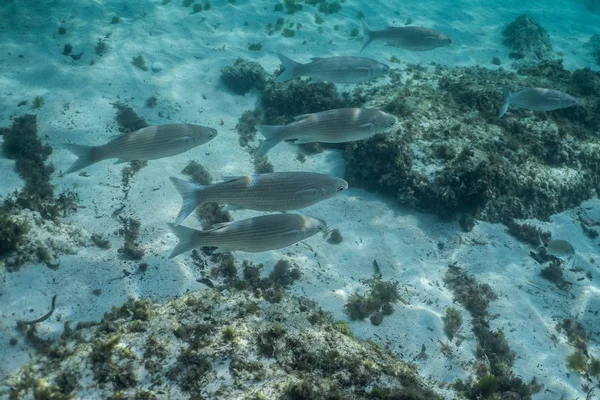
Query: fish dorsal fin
{"points": [[299, 117], [229, 178]]}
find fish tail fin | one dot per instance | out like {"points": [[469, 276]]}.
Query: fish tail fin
{"points": [[271, 134], [85, 154], [506, 102], [290, 68], [192, 196], [186, 239], [367, 34]]}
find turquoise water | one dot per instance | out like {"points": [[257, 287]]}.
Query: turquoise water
{"points": [[446, 212]]}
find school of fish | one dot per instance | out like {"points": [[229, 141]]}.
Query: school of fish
{"points": [[290, 191]]}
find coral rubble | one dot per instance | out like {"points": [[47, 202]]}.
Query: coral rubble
{"points": [[274, 350]]}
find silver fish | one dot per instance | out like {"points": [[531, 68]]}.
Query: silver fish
{"points": [[148, 143], [537, 99], [334, 126], [411, 38], [559, 248], [267, 232], [277, 191], [333, 69]]}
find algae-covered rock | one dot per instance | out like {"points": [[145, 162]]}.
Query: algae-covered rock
{"points": [[283, 101], [525, 38], [272, 350], [12, 232], [594, 46], [243, 76], [451, 153]]}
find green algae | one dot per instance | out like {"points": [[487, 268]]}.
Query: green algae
{"points": [[381, 295]]}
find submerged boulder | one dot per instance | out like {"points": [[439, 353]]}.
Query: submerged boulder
{"points": [[243, 76], [525, 38], [451, 153]]}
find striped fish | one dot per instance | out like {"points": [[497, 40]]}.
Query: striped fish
{"points": [[267, 232], [333, 69], [277, 191], [412, 38], [149, 143], [537, 99], [334, 126]]}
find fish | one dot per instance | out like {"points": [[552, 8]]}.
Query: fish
{"points": [[333, 126], [277, 191], [253, 235], [559, 248], [537, 99], [413, 38], [333, 69], [149, 143]]}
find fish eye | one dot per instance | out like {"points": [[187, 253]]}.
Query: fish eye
{"points": [[341, 188], [392, 123], [320, 227]]}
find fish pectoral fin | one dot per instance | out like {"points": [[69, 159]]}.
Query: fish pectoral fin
{"points": [[221, 250], [301, 141], [181, 139], [229, 178], [367, 127], [232, 207], [218, 226], [291, 234], [307, 194], [299, 117]]}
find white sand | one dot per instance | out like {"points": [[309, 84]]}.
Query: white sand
{"points": [[78, 109]]}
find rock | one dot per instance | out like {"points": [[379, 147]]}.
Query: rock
{"points": [[156, 67]]}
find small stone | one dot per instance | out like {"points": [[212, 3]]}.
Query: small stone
{"points": [[376, 318], [156, 67]]}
